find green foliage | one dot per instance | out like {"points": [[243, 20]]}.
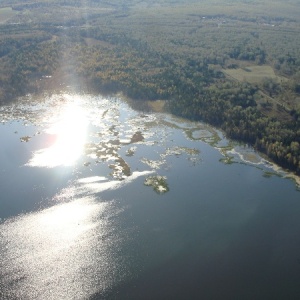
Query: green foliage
{"points": [[174, 50]]}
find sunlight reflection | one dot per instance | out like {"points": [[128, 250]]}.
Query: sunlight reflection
{"points": [[70, 132], [63, 252]]}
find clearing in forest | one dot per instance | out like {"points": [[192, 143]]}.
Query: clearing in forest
{"points": [[254, 74]]}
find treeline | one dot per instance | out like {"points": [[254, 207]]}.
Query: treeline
{"points": [[25, 64], [10, 44], [232, 107], [241, 52]]}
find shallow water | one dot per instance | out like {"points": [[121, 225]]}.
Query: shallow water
{"points": [[99, 201]]}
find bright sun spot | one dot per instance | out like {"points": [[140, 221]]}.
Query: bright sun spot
{"points": [[70, 131]]}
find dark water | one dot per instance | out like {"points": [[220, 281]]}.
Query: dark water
{"points": [[92, 229]]}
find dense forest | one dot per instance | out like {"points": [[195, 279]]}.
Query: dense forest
{"points": [[232, 63]]}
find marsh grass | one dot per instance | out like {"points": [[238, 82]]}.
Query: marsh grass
{"points": [[158, 183]]}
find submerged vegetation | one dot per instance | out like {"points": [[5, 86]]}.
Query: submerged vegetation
{"points": [[233, 64]]}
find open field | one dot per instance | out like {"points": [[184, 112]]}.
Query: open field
{"points": [[254, 74], [6, 13]]}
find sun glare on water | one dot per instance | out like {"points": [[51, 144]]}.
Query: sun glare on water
{"points": [[70, 132]]}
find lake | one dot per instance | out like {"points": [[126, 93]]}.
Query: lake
{"points": [[99, 201]]}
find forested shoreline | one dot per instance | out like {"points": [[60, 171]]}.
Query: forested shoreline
{"points": [[183, 53]]}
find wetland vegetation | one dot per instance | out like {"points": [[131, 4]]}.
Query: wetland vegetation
{"points": [[233, 64]]}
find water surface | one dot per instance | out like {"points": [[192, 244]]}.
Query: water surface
{"points": [[99, 201]]}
